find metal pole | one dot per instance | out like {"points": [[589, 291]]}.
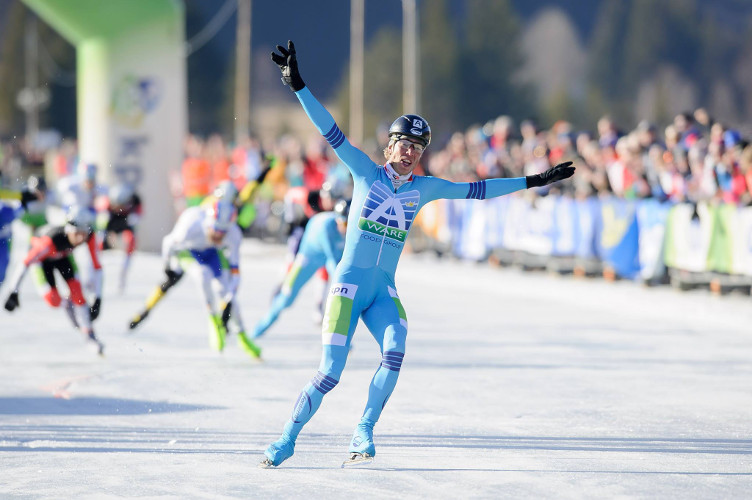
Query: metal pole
{"points": [[357, 21], [410, 69], [31, 62], [243, 71]]}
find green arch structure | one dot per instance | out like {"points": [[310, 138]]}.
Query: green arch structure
{"points": [[131, 94]]}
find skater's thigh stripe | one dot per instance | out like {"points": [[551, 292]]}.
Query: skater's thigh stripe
{"points": [[323, 383], [338, 314], [392, 360]]}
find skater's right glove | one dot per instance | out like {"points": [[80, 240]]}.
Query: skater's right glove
{"points": [[226, 314], [12, 302], [28, 195], [558, 173], [288, 65]]}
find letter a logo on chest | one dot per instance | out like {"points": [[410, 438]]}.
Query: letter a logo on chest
{"points": [[388, 214]]}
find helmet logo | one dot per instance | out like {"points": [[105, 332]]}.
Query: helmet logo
{"points": [[417, 127]]}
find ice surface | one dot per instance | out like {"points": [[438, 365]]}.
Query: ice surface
{"points": [[515, 385]]}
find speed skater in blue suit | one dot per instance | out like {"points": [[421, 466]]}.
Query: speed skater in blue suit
{"points": [[322, 245], [386, 199]]}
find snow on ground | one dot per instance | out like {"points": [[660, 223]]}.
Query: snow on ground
{"points": [[515, 385]]}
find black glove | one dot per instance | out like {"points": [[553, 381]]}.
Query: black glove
{"points": [[27, 195], [263, 175], [172, 276], [288, 64], [226, 314], [94, 309], [12, 302], [559, 172]]}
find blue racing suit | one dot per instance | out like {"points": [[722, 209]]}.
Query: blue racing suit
{"points": [[321, 245], [363, 284]]}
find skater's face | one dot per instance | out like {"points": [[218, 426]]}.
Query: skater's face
{"points": [[404, 155], [216, 236], [77, 237]]}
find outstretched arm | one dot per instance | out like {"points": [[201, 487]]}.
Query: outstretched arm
{"points": [[491, 188], [358, 162]]}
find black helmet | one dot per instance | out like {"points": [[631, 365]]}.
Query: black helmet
{"points": [[36, 183], [342, 208], [411, 126]]}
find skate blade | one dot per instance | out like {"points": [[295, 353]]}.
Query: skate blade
{"points": [[266, 464], [357, 459]]}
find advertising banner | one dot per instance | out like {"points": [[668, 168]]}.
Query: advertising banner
{"points": [[589, 228], [742, 242], [720, 252], [566, 227], [688, 234], [651, 222], [619, 239]]}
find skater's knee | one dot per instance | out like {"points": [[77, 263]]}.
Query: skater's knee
{"points": [[130, 241], [333, 361], [286, 299], [324, 383], [52, 297], [76, 294], [395, 338], [392, 360]]}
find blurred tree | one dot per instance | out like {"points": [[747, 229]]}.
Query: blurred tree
{"points": [[56, 73], [555, 65], [606, 48], [209, 75], [11, 68], [490, 57], [742, 74], [439, 58]]}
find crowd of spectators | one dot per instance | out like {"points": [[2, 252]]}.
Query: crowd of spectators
{"points": [[692, 159]]}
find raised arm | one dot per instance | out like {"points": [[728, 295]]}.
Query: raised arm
{"points": [[358, 162], [491, 188]]}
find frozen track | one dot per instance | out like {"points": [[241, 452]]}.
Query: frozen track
{"points": [[514, 385]]}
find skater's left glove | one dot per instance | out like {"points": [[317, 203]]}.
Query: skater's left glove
{"points": [[288, 65], [558, 173], [94, 309], [12, 302]]}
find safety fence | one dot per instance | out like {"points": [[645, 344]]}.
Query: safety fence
{"points": [[688, 245]]}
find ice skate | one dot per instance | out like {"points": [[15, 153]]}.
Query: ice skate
{"points": [[217, 333], [71, 313], [277, 452], [257, 332], [248, 346], [357, 459], [138, 319], [95, 344], [362, 443]]}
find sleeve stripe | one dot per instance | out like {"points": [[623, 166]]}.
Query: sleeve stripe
{"points": [[335, 137], [470, 191], [477, 190]]}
